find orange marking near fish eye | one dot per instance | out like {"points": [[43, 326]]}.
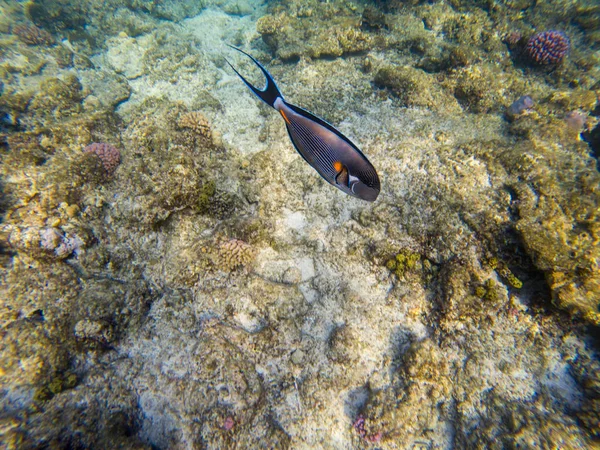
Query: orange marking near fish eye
{"points": [[285, 117], [338, 166]]}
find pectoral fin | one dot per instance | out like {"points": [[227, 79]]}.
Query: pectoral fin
{"points": [[342, 177]]}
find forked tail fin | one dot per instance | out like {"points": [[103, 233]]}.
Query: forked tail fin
{"points": [[271, 92]]}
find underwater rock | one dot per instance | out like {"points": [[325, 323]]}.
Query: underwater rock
{"points": [[416, 88], [97, 331], [373, 19], [293, 34], [32, 35], [109, 90], [126, 56], [57, 98], [480, 88]]}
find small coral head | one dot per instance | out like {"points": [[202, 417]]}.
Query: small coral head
{"points": [[109, 155], [548, 47], [513, 38]]}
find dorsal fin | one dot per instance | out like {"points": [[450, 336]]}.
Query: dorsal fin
{"points": [[271, 92]]}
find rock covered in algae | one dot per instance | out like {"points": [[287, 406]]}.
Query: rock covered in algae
{"points": [[291, 31], [415, 88], [171, 168], [32, 35]]}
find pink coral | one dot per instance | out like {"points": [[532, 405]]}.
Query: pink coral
{"points": [[108, 154], [228, 424]]}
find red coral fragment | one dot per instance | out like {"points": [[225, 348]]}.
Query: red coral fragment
{"points": [[359, 427]]}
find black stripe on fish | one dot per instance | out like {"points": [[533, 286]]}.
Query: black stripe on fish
{"points": [[311, 147], [323, 123], [307, 135]]}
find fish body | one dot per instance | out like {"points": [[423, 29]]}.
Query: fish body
{"points": [[337, 159]]}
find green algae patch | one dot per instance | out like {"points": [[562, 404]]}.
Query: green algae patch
{"points": [[56, 385], [488, 291], [405, 261], [505, 273], [206, 194]]}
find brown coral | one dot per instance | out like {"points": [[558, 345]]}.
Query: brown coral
{"points": [[32, 35], [196, 122], [233, 253]]}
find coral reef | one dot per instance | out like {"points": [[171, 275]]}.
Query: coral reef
{"points": [[415, 88], [196, 122], [292, 32], [216, 294], [173, 167]]}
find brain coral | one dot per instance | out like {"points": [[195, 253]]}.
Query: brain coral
{"points": [[233, 253]]}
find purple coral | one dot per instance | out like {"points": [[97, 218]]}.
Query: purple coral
{"points": [[359, 427], [548, 47], [520, 106], [108, 154], [575, 120]]}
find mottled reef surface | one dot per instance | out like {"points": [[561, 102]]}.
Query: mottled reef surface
{"points": [[195, 284]]}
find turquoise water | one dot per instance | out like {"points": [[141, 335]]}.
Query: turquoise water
{"points": [[176, 275]]}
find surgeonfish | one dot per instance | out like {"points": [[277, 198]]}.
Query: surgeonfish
{"points": [[325, 148]]}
